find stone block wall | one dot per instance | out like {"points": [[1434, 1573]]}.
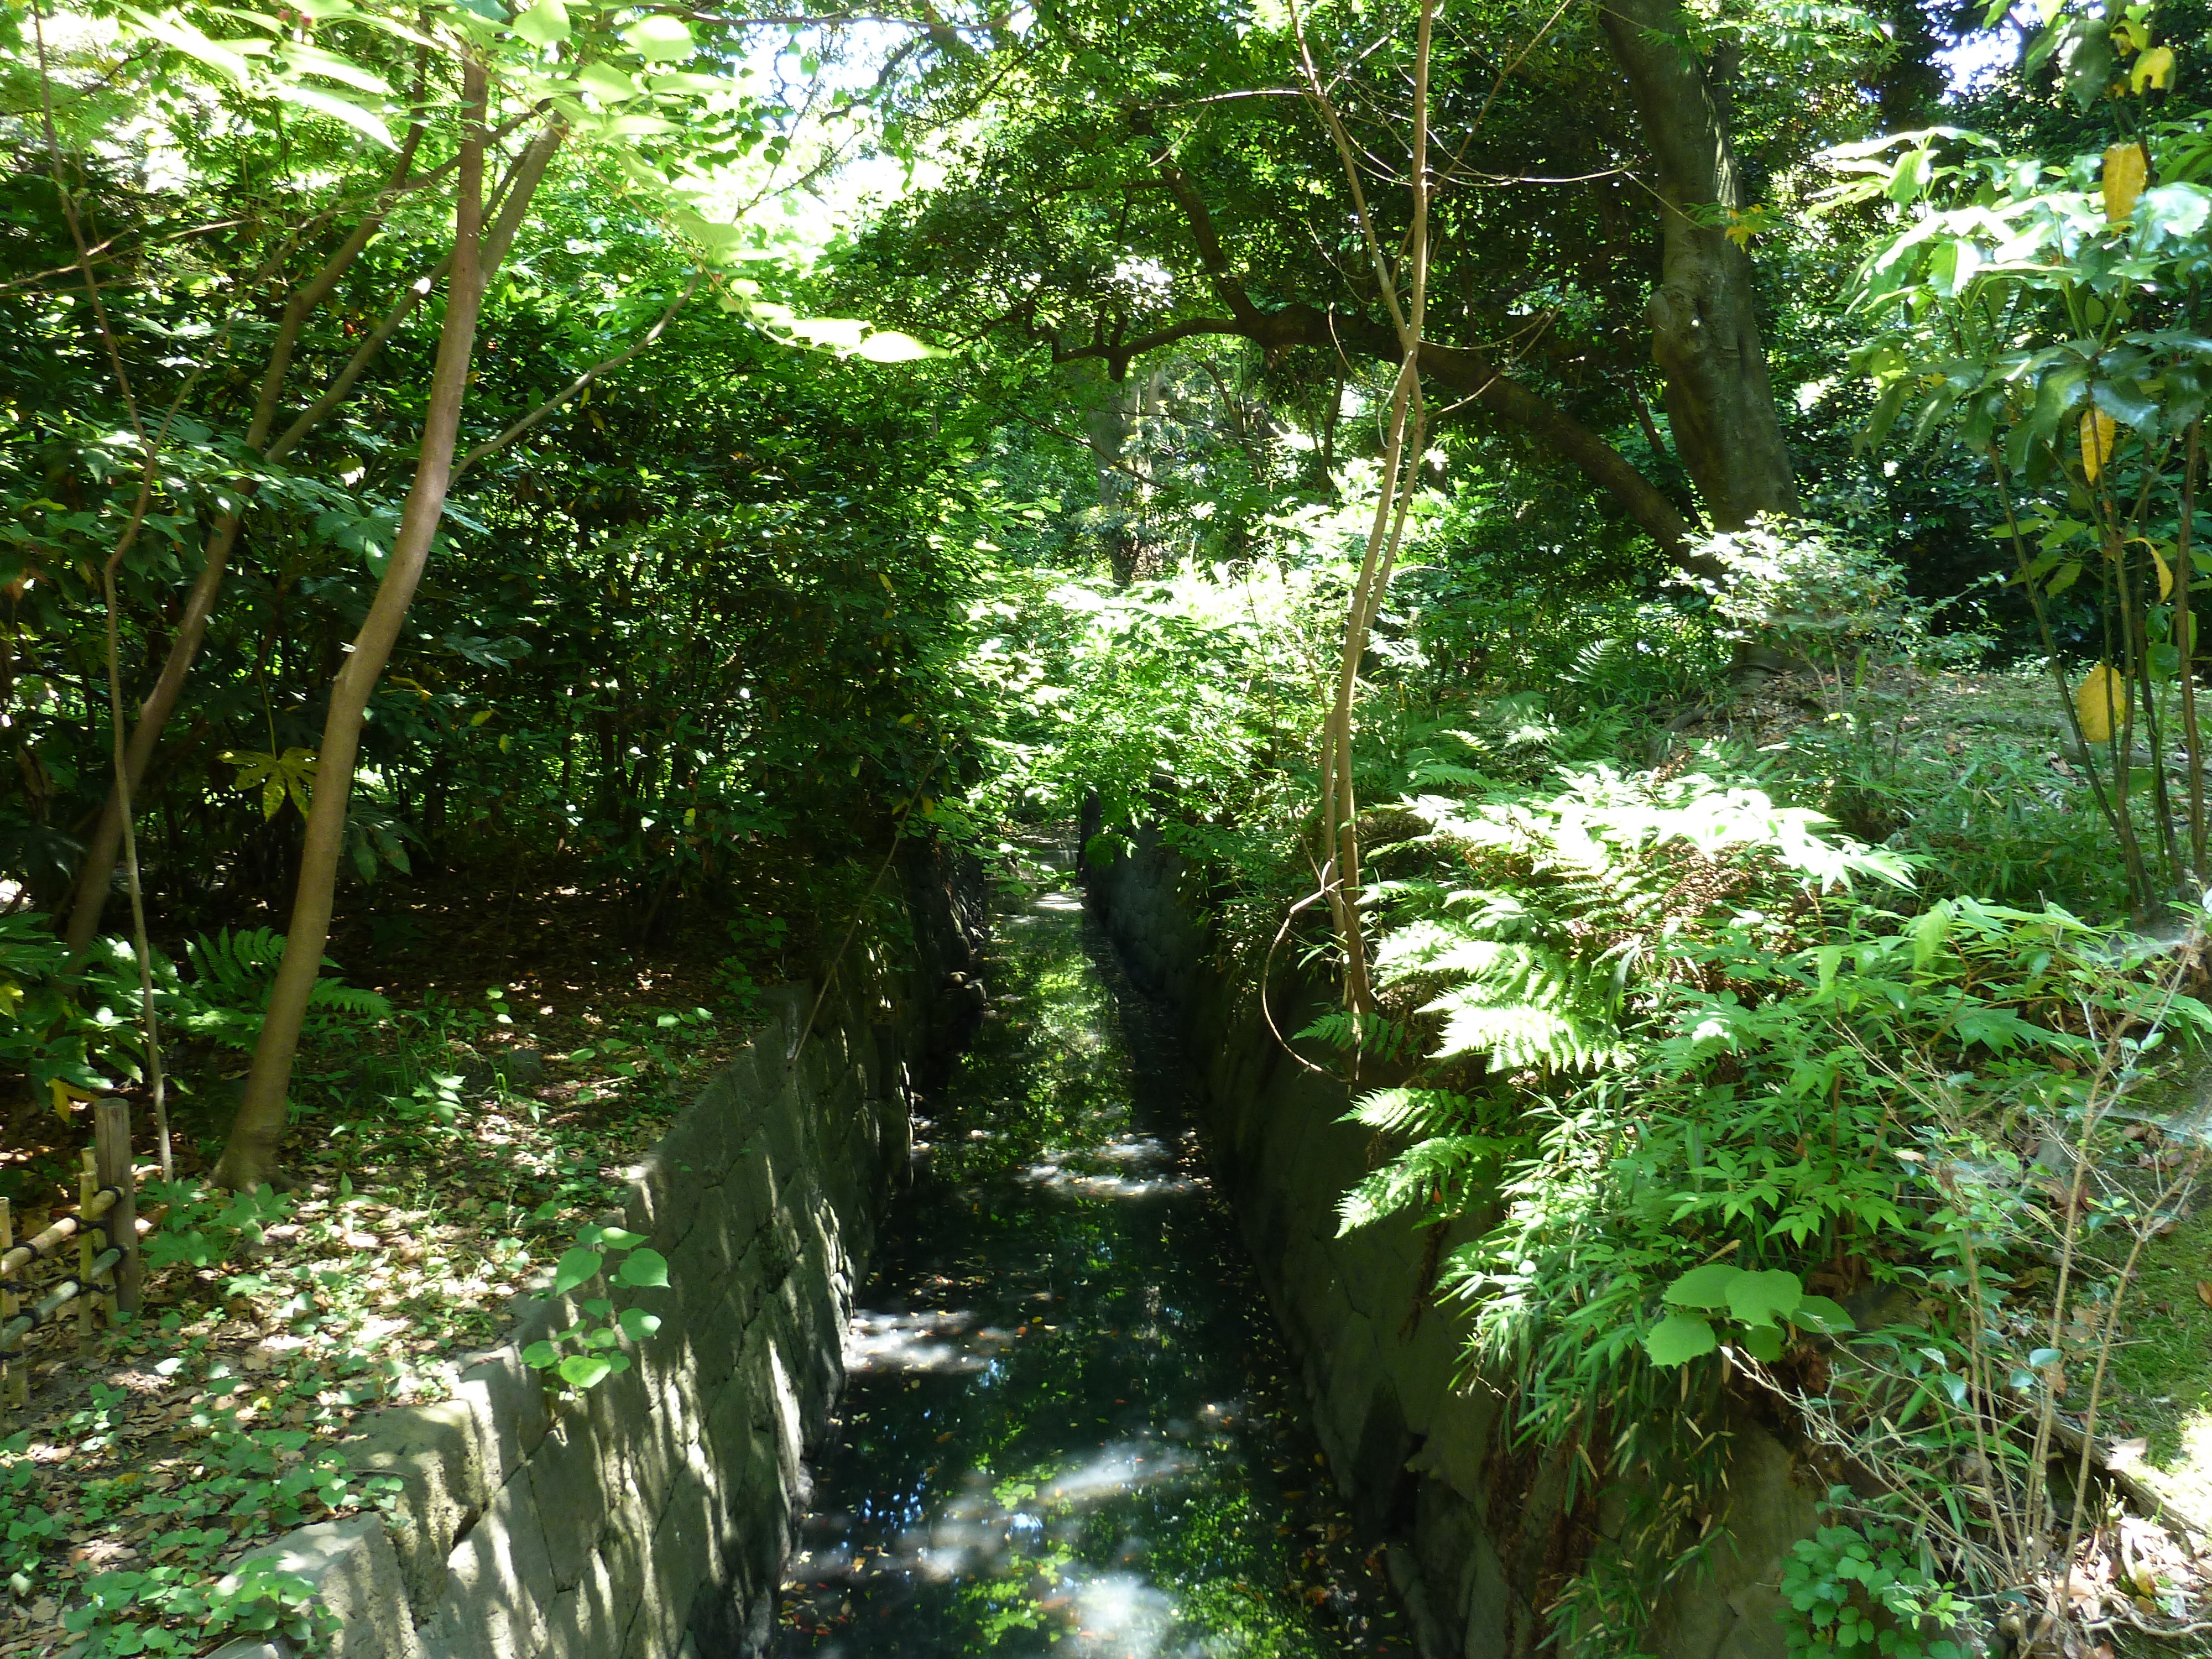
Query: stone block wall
{"points": [[1478, 1536], [649, 1517]]}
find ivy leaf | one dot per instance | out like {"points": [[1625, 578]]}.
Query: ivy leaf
{"points": [[643, 1270], [637, 1324], [541, 1355], [1678, 1339]]}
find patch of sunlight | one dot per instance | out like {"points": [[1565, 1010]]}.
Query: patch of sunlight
{"points": [[944, 1342], [2181, 1480], [1119, 1612], [1123, 1468]]}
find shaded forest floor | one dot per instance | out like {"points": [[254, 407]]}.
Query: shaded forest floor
{"points": [[441, 1162]]}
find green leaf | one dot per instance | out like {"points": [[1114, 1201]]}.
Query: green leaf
{"points": [[610, 85], [637, 1324], [575, 1266], [1928, 930], [620, 1238], [1678, 1339], [1704, 1287], [659, 40], [1818, 1313], [1756, 1298], [584, 1371], [888, 345], [2126, 402], [544, 24], [363, 121], [1763, 1342], [643, 1269], [541, 1355]]}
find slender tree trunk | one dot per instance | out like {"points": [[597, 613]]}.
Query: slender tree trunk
{"points": [[257, 1132], [1705, 326], [97, 874]]}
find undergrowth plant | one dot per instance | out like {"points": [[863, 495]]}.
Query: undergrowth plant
{"points": [[1649, 1022]]}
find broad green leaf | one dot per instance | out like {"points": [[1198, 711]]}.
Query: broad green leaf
{"points": [[839, 334], [1763, 1342], [576, 1266], [1678, 1339], [365, 122], [544, 24], [1756, 1298], [607, 84], [659, 40], [1928, 930], [586, 1371], [175, 32], [1704, 1287], [1818, 1313], [620, 1238], [643, 1269], [541, 1355], [890, 346], [637, 1324]]}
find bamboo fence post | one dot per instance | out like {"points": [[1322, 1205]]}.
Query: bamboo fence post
{"points": [[87, 1187], [11, 1376], [112, 1149]]}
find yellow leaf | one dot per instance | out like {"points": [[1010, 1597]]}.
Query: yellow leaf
{"points": [[2125, 169], [480, 717], [2165, 575], [66, 1095], [2099, 433], [2101, 703], [2154, 68]]}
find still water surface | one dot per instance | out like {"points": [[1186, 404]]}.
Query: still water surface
{"points": [[1070, 1427]]}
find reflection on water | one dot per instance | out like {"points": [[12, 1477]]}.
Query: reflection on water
{"points": [[1069, 1426]]}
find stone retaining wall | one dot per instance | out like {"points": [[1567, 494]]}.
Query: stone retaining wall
{"points": [[1479, 1537], [650, 1518]]}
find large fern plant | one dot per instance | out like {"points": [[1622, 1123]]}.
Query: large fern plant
{"points": [[232, 973], [1537, 920]]}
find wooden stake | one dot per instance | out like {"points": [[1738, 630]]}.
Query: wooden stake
{"points": [[87, 1185], [112, 1151], [12, 1377]]}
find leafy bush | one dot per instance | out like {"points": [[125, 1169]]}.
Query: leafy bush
{"points": [[1868, 1589]]}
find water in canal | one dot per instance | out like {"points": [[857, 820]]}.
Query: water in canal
{"points": [[1070, 1427]]}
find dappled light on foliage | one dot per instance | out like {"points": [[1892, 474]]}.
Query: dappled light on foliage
{"points": [[1640, 566]]}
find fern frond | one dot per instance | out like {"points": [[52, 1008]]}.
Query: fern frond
{"points": [[1421, 1178], [1423, 1112]]}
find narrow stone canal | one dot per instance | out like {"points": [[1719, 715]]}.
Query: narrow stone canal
{"points": [[1070, 1427]]}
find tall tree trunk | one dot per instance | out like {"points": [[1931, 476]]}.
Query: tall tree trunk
{"points": [[258, 1129], [1704, 327]]}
